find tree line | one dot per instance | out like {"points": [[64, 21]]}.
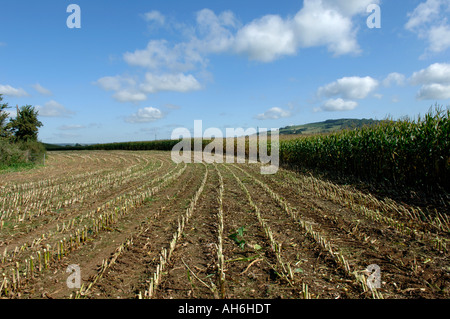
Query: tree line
{"points": [[19, 143]]}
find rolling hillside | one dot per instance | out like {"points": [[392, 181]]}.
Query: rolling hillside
{"points": [[328, 126]]}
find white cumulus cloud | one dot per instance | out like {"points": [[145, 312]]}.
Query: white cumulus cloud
{"points": [[424, 13], [145, 115], [435, 73], [429, 22], [434, 91], [435, 82], [274, 113], [318, 23], [334, 105], [169, 82], [394, 78], [353, 88], [159, 54], [126, 95], [114, 83], [439, 38], [266, 39]]}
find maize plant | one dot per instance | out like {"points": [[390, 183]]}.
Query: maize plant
{"points": [[406, 152]]}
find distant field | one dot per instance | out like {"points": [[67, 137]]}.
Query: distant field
{"points": [[395, 154], [326, 127], [140, 226]]}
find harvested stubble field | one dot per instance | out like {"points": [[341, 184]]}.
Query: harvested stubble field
{"points": [[140, 226]]}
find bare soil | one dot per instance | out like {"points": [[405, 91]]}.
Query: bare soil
{"points": [[120, 259]]}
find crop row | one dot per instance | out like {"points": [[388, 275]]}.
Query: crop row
{"points": [[220, 256], [34, 203], [100, 216], [406, 152], [379, 211], [97, 221], [320, 239], [166, 253], [58, 157]]}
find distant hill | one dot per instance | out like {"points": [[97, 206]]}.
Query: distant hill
{"points": [[328, 126]]}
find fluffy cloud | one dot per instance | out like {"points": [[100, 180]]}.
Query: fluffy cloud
{"points": [[344, 91], [158, 54], [132, 90], [215, 32], [350, 88], [145, 115], [429, 22], [325, 23], [213, 35], [435, 81], [274, 113], [114, 83], [435, 73], [318, 23], [124, 87], [439, 38], [169, 82], [394, 78], [434, 91], [424, 13], [53, 109], [11, 91], [131, 95], [266, 39], [334, 105]]}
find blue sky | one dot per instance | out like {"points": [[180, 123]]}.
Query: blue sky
{"points": [[137, 70]]}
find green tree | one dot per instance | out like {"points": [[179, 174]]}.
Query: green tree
{"points": [[4, 133], [26, 125]]}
